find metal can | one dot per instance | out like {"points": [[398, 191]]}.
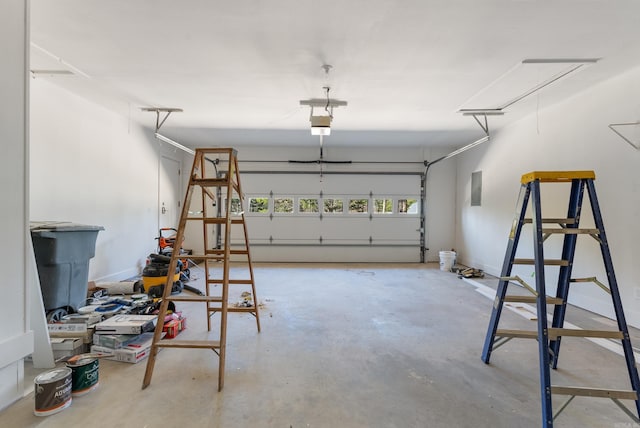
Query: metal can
{"points": [[52, 391], [85, 371]]}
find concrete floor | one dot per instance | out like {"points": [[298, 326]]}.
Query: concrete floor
{"points": [[349, 346]]}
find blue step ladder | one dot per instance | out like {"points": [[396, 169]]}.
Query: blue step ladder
{"points": [[549, 338]]}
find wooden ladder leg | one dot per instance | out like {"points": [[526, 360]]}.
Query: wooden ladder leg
{"points": [[166, 292]]}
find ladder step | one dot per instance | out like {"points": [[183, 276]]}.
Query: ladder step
{"points": [[231, 281], [571, 231], [210, 182], [216, 220], [557, 176], [594, 392], [203, 257], [554, 333], [533, 299], [548, 262], [251, 309], [606, 334], [552, 220], [188, 298], [221, 252], [522, 334], [173, 343]]}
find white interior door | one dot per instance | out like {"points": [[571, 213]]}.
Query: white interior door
{"points": [[169, 192]]}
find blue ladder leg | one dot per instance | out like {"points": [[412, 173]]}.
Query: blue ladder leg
{"points": [[568, 252], [541, 303], [615, 293]]}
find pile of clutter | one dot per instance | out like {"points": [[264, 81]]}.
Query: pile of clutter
{"points": [[469, 273], [118, 328]]}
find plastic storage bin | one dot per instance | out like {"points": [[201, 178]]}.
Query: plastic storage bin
{"points": [[62, 252]]}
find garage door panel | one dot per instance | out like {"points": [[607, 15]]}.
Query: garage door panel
{"points": [[404, 228], [363, 220]]}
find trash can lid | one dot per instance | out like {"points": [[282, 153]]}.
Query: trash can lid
{"points": [[61, 226]]}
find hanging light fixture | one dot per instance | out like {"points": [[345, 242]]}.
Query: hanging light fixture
{"points": [[321, 123]]}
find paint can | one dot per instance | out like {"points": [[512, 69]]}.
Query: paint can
{"points": [[52, 391], [84, 374]]}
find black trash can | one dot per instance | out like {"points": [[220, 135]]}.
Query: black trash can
{"points": [[62, 252]]}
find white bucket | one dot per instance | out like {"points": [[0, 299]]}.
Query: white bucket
{"points": [[447, 260]]}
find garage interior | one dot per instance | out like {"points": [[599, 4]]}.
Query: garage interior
{"points": [[435, 111]]}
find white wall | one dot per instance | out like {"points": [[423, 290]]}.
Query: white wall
{"points": [[16, 340], [93, 166], [572, 135]]}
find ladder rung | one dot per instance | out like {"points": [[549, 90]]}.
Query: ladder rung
{"points": [[221, 252], [231, 281], [251, 309], [210, 182], [594, 392], [203, 257], [548, 262], [187, 298], [533, 299], [606, 334], [215, 220], [522, 334], [553, 220], [571, 231], [173, 343]]}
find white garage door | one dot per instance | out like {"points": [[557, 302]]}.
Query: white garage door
{"points": [[334, 218]]}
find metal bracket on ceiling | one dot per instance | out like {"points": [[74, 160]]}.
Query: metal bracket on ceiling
{"points": [[484, 124], [159, 110], [159, 124], [483, 114]]}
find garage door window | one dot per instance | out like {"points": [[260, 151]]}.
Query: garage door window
{"points": [[259, 205], [236, 206], [332, 206], [283, 205], [408, 206], [358, 206], [307, 205], [383, 206]]}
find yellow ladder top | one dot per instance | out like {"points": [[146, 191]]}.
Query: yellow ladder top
{"points": [[557, 176]]}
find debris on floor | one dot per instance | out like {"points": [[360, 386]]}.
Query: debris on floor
{"points": [[246, 302], [470, 273]]}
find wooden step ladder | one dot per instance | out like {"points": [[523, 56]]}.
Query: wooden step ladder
{"points": [[549, 338], [213, 201]]}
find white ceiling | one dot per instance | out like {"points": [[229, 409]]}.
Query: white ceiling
{"points": [[239, 68]]}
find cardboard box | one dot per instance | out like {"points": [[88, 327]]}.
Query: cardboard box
{"points": [[174, 326], [127, 324], [67, 328], [134, 352], [113, 341], [86, 336], [171, 328], [63, 347]]}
